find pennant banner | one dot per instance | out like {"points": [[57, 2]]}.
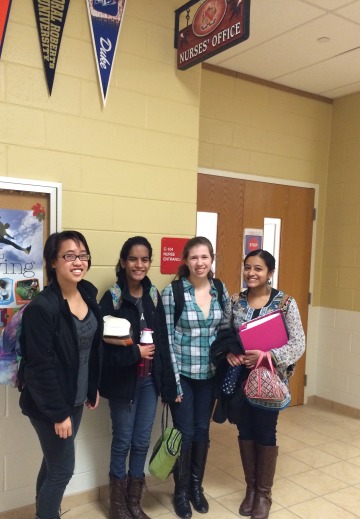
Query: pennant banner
{"points": [[105, 22], [4, 16], [50, 19]]}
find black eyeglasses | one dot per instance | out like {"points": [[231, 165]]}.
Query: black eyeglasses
{"points": [[73, 257]]}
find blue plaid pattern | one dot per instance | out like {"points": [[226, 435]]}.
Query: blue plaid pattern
{"points": [[193, 335]]}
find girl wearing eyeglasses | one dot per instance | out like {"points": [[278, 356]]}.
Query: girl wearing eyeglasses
{"points": [[60, 342]]}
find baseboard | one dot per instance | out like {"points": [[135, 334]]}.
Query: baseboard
{"points": [[335, 407], [71, 501]]}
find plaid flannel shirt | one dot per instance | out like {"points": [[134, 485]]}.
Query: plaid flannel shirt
{"points": [[191, 338]]}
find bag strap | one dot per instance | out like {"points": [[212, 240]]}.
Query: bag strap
{"points": [[220, 290], [265, 358], [115, 291], [164, 418], [285, 302], [179, 299]]}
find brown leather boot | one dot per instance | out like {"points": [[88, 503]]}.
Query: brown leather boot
{"points": [[266, 458], [134, 492], [118, 506], [248, 459]]}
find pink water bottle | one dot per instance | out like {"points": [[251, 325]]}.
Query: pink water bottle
{"points": [[145, 365]]}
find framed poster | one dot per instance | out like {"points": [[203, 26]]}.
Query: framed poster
{"points": [[27, 213]]}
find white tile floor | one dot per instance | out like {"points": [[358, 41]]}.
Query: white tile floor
{"points": [[317, 477]]}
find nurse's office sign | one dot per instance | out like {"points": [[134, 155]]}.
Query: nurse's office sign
{"points": [[216, 26]]}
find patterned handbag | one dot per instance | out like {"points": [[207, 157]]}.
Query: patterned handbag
{"points": [[264, 388]]}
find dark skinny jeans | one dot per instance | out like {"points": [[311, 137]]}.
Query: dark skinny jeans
{"points": [[57, 466]]}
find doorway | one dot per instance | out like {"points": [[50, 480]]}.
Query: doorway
{"points": [[244, 204]]}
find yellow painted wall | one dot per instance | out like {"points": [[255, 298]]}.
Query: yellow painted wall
{"points": [[126, 169], [341, 263], [254, 129]]}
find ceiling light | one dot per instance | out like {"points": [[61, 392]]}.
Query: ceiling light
{"points": [[323, 39]]}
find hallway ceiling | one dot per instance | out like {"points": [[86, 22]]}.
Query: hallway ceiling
{"points": [[310, 45]]}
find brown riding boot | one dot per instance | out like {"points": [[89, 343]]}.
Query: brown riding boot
{"points": [[134, 492], [248, 459], [266, 458], [118, 506]]}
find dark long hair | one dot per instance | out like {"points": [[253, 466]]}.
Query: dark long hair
{"points": [[268, 258], [125, 251], [52, 246], [183, 270]]}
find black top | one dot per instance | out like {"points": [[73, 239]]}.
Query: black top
{"points": [[119, 373], [50, 351]]}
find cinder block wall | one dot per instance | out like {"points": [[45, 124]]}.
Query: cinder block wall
{"points": [[126, 169]]}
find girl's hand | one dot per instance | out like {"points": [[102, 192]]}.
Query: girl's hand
{"points": [[64, 429], [147, 352], [178, 399], [251, 357], [235, 360], [89, 406]]}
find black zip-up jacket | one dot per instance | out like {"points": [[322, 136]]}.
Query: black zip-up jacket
{"points": [[118, 380], [50, 352]]}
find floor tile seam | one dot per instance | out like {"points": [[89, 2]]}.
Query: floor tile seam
{"points": [[305, 500], [312, 466], [291, 507], [318, 495], [220, 467], [338, 478], [347, 486], [337, 455], [339, 506], [305, 429], [227, 508]]}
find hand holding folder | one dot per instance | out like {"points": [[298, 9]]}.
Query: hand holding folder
{"points": [[264, 333]]}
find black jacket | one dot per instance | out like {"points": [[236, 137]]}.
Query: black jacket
{"points": [[118, 379], [50, 352], [227, 406]]}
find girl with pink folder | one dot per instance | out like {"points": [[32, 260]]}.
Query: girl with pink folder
{"points": [[257, 427]]}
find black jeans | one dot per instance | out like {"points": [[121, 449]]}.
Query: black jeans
{"points": [[57, 466], [257, 424], [192, 415]]}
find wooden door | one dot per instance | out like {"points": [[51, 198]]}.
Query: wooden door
{"points": [[225, 196], [244, 204]]}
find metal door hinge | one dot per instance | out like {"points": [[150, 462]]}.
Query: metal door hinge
{"points": [[305, 380], [314, 214], [309, 298]]}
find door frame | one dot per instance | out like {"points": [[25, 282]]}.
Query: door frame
{"points": [[313, 316]]}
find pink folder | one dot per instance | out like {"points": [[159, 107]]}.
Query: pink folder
{"points": [[264, 333]]}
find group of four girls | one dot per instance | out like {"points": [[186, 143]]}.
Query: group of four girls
{"points": [[66, 365]]}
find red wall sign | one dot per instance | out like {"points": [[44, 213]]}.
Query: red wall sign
{"points": [[216, 26], [171, 254]]}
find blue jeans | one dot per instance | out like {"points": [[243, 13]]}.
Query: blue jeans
{"points": [[57, 465], [132, 425], [192, 415], [258, 425]]}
